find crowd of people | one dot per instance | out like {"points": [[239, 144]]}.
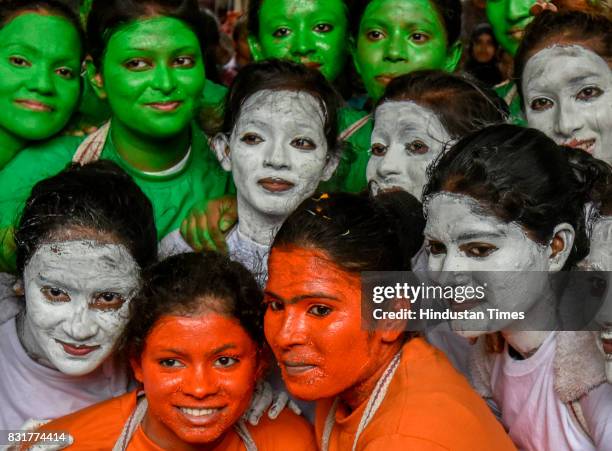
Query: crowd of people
{"points": [[189, 213]]}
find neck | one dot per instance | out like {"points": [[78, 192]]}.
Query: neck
{"points": [[360, 392], [9, 146], [167, 439], [528, 335], [255, 225], [149, 153]]}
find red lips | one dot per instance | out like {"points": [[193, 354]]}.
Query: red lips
{"points": [[77, 350], [275, 185]]}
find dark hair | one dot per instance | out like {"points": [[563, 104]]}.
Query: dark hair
{"points": [[12, 8], [107, 15], [283, 75], [189, 284], [521, 176], [98, 196], [359, 233], [479, 30], [473, 105], [548, 28], [600, 173], [449, 12]]}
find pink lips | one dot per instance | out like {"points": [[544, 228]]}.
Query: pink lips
{"points": [[275, 185], [77, 350], [583, 144], [164, 106], [297, 368], [33, 105], [385, 79]]}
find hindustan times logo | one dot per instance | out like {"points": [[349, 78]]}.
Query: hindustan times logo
{"points": [[414, 293]]}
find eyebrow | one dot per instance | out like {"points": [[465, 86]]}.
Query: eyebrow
{"points": [[223, 348], [480, 235], [302, 297]]}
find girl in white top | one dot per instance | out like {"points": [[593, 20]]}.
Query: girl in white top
{"points": [[508, 201], [83, 236]]}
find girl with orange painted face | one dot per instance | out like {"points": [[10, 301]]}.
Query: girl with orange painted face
{"points": [[195, 343], [375, 390]]}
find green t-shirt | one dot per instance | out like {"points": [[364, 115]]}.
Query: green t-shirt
{"points": [[172, 196]]}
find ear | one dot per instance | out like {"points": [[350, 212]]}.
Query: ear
{"points": [[221, 148], [453, 56], [18, 287], [561, 246], [136, 368], [391, 330], [330, 166], [255, 47], [95, 79]]}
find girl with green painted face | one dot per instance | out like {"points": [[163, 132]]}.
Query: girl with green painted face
{"points": [[40, 61], [149, 66], [396, 37]]}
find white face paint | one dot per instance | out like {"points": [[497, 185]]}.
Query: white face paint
{"points": [[600, 259], [406, 139], [568, 96], [278, 154], [464, 238], [77, 295]]}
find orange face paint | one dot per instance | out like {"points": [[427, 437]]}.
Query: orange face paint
{"points": [[198, 375], [313, 324]]}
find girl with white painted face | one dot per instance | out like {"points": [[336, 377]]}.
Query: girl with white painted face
{"points": [[565, 79], [81, 241], [279, 142], [415, 122], [507, 199]]}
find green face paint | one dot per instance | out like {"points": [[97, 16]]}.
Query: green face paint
{"points": [[312, 32], [153, 75], [509, 19], [39, 77], [397, 37]]}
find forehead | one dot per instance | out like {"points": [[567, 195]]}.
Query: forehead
{"points": [[41, 30], [406, 116], [402, 11], [289, 105], [155, 33], [295, 9]]}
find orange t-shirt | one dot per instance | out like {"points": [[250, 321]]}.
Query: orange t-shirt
{"points": [[98, 427], [428, 406]]}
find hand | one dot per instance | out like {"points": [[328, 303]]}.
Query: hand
{"points": [[542, 5], [206, 230], [264, 398]]}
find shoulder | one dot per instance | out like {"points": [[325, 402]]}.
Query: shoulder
{"points": [[288, 431], [97, 426]]}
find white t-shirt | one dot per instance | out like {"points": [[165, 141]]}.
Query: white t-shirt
{"points": [[29, 390], [531, 410]]}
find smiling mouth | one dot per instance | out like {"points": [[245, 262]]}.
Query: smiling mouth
{"points": [[200, 416], [33, 105], [165, 106], [275, 184], [606, 341], [297, 368], [582, 144], [77, 350]]}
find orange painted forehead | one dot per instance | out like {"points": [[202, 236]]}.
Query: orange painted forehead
{"points": [[297, 271]]}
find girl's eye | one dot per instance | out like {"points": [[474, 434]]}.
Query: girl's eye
{"points": [[137, 64], [419, 38], [541, 104], [185, 62], [303, 143], [108, 301], [19, 61], [170, 363], [436, 248], [375, 35], [65, 72], [251, 139], [323, 28], [378, 150], [591, 92], [54, 294], [281, 32], [478, 250], [225, 362], [418, 147], [320, 310], [275, 306]]}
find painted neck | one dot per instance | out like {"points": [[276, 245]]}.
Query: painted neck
{"points": [[148, 153], [166, 439], [29, 343], [360, 393], [9, 146], [255, 225]]}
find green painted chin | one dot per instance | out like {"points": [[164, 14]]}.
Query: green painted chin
{"points": [[509, 18], [304, 31], [39, 75], [153, 76]]}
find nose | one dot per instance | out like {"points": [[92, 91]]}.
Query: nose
{"points": [[293, 330], [396, 48], [80, 326], [199, 383], [302, 44], [568, 121], [518, 9], [42, 81], [163, 79], [388, 165], [276, 156]]}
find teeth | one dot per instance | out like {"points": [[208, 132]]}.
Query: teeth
{"points": [[198, 412]]}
